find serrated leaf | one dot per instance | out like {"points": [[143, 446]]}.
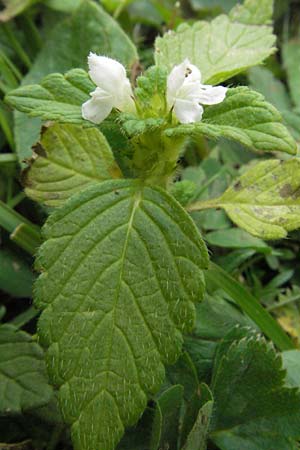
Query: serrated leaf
{"points": [[67, 159], [66, 46], [243, 116], [291, 56], [253, 408], [23, 378], [265, 201], [253, 12], [134, 126], [151, 92], [58, 97], [220, 48], [121, 269]]}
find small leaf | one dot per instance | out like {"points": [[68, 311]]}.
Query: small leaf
{"points": [[291, 363], [220, 48], [166, 418], [197, 437], [253, 12], [291, 56], [265, 201], [253, 408], [236, 238], [134, 126], [243, 116], [67, 159], [23, 377], [58, 97], [121, 269]]}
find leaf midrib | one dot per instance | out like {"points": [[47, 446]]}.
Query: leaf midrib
{"points": [[135, 204]]}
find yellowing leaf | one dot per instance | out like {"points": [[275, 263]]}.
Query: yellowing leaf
{"points": [[265, 201]]}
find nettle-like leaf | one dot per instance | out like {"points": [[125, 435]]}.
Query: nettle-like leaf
{"points": [[221, 48], [23, 377], [265, 201], [253, 12], [253, 408], [66, 46], [67, 159], [58, 97], [110, 330], [133, 126], [243, 116]]}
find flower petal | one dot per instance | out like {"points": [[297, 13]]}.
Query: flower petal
{"points": [[175, 81], [212, 95], [187, 111], [106, 73], [98, 107], [124, 102]]}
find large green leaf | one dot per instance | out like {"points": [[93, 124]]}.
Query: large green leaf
{"points": [[253, 408], [220, 48], [58, 97], [243, 116], [23, 378], [121, 268], [89, 28], [265, 201], [67, 159]]}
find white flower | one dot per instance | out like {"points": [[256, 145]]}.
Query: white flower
{"points": [[113, 89], [186, 94]]}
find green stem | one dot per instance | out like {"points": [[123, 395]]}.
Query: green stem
{"points": [[12, 67], [23, 232], [32, 31], [55, 438], [24, 317], [250, 305], [284, 302], [205, 204], [16, 45], [14, 201], [7, 158], [120, 8]]}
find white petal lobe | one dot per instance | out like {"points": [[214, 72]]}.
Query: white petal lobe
{"points": [[98, 107]]}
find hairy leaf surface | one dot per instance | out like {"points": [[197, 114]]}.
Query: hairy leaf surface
{"points": [[253, 408], [121, 269], [58, 97], [243, 116], [67, 159], [265, 201], [220, 48], [23, 378]]}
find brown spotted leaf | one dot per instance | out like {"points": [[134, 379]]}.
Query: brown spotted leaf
{"points": [[265, 201]]}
